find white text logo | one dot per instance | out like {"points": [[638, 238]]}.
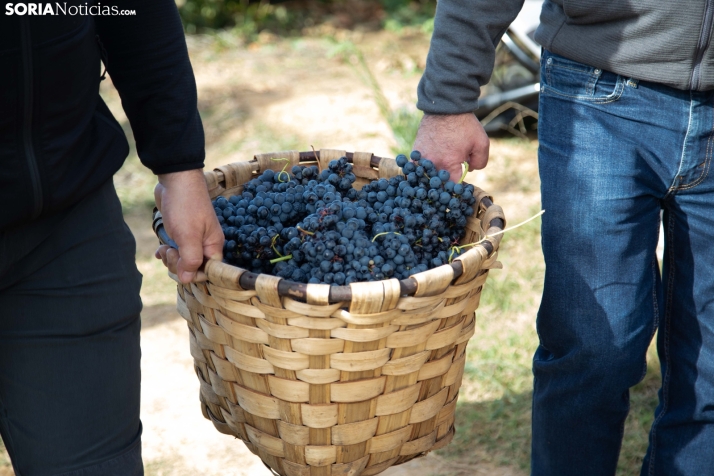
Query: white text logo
{"points": [[58, 8]]}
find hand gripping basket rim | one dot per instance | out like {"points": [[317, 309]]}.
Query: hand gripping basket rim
{"points": [[335, 380]]}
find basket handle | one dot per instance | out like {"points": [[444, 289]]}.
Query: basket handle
{"points": [[160, 230], [164, 237]]}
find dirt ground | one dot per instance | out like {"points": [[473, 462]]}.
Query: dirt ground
{"points": [[273, 95]]}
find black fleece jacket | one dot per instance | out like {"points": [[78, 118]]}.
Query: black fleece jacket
{"points": [[58, 140]]}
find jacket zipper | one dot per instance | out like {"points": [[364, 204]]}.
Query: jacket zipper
{"points": [[704, 38], [27, 119]]}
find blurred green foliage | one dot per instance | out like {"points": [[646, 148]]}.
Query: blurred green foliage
{"points": [[290, 17], [401, 14], [246, 16]]}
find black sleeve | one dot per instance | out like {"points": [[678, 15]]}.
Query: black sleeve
{"points": [[462, 53], [148, 62]]}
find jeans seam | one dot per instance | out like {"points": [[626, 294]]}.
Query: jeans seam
{"points": [[590, 89], [667, 319], [655, 304], [548, 69], [673, 187], [707, 161]]}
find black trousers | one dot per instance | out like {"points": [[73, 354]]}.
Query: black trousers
{"points": [[69, 342]]}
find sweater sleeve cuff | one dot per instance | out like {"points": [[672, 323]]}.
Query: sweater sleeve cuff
{"points": [[439, 107], [169, 169]]}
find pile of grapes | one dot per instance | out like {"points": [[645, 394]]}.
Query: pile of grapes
{"points": [[314, 227]]}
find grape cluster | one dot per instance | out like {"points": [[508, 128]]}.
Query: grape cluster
{"points": [[312, 226]]}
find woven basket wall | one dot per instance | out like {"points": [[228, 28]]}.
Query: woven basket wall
{"points": [[322, 388]]}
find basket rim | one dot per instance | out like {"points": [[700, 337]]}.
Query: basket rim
{"points": [[246, 279]]}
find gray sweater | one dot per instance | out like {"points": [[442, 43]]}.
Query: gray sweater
{"points": [[664, 41]]}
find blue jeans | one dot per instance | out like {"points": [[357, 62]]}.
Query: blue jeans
{"points": [[614, 153]]}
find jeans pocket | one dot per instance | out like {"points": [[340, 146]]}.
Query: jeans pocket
{"points": [[563, 77]]}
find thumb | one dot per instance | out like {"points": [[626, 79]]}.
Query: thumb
{"points": [[478, 158]]}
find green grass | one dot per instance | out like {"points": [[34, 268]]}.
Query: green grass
{"points": [[404, 124], [517, 287]]}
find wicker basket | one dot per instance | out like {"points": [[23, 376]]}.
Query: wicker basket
{"points": [[335, 381]]}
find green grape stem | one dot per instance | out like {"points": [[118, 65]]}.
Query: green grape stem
{"points": [[468, 245], [464, 171], [384, 233], [282, 258], [280, 174]]}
